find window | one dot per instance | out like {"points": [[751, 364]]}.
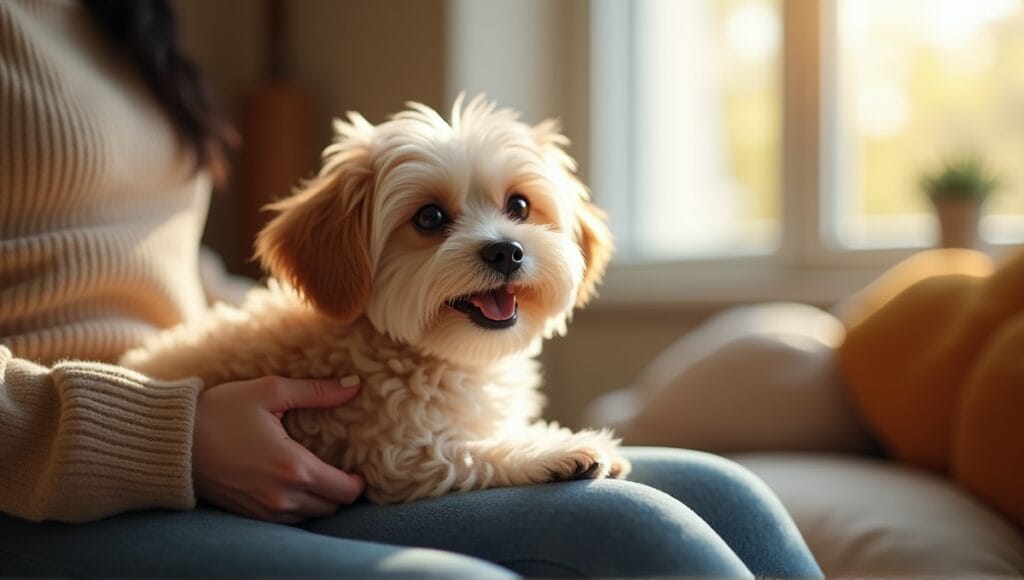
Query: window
{"points": [[708, 127], [798, 130], [918, 81]]}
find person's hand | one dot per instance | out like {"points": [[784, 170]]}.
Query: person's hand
{"points": [[244, 461]]}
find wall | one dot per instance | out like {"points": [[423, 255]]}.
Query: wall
{"points": [[349, 54], [368, 56]]}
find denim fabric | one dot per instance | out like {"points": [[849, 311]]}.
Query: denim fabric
{"points": [[707, 516], [210, 543]]}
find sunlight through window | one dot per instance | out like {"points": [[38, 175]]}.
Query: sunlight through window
{"points": [[708, 126], [919, 81]]}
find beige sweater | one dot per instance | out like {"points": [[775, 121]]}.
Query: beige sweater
{"points": [[100, 219]]}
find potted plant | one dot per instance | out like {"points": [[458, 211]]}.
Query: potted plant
{"points": [[958, 189]]}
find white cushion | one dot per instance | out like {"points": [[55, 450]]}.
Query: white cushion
{"points": [[752, 378], [871, 517]]}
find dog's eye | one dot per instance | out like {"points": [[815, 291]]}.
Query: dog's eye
{"points": [[517, 207], [429, 218]]}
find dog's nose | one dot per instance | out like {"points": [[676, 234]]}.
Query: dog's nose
{"points": [[504, 257]]}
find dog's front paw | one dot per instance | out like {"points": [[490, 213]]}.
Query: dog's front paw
{"points": [[620, 467], [565, 455], [579, 464]]}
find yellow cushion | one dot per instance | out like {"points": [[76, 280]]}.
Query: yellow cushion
{"points": [[988, 442], [933, 361]]}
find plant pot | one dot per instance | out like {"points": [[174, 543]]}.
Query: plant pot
{"points": [[958, 222]]}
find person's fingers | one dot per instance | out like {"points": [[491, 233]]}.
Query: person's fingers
{"points": [[332, 483], [292, 506], [238, 503], [310, 505], [284, 394]]}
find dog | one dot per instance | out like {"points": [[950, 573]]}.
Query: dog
{"points": [[430, 258]]}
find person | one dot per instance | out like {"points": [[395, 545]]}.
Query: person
{"points": [[108, 147]]}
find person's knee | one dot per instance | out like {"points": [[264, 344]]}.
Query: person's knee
{"points": [[611, 527], [738, 505], [720, 482], [720, 470], [731, 486]]}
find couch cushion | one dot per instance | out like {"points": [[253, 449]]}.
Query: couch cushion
{"points": [[870, 517], [754, 378]]}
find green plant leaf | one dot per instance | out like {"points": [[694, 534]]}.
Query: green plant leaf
{"points": [[964, 176]]}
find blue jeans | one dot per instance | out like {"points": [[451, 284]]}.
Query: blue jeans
{"points": [[680, 513]]}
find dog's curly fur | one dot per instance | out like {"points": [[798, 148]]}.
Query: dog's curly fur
{"points": [[449, 400]]}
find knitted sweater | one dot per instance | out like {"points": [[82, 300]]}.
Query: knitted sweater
{"points": [[100, 218]]}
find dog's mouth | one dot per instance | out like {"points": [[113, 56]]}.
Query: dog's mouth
{"points": [[493, 309]]}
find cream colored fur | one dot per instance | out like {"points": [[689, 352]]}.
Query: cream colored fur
{"points": [[446, 405]]}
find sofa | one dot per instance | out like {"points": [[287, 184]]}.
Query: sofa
{"points": [[761, 385]]}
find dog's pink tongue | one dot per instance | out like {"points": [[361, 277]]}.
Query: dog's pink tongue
{"points": [[498, 304]]}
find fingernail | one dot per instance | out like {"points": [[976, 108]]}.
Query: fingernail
{"points": [[349, 381]]}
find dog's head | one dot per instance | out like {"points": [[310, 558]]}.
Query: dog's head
{"points": [[469, 240]]}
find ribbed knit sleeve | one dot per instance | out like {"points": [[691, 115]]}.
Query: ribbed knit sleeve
{"points": [[101, 212], [80, 441]]}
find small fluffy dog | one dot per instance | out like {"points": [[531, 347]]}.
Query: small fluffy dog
{"points": [[430, 259]]}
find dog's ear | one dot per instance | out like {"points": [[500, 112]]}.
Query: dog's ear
{"points": [[592, 233], [319, 241], [595, 240]]}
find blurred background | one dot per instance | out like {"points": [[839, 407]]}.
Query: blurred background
{"points": [[746, 150]]}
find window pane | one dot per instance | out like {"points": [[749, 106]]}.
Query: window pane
{"points": [[708, 122], [918, 82]]}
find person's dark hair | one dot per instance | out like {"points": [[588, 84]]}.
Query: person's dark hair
{"points": [[148, 31]]}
